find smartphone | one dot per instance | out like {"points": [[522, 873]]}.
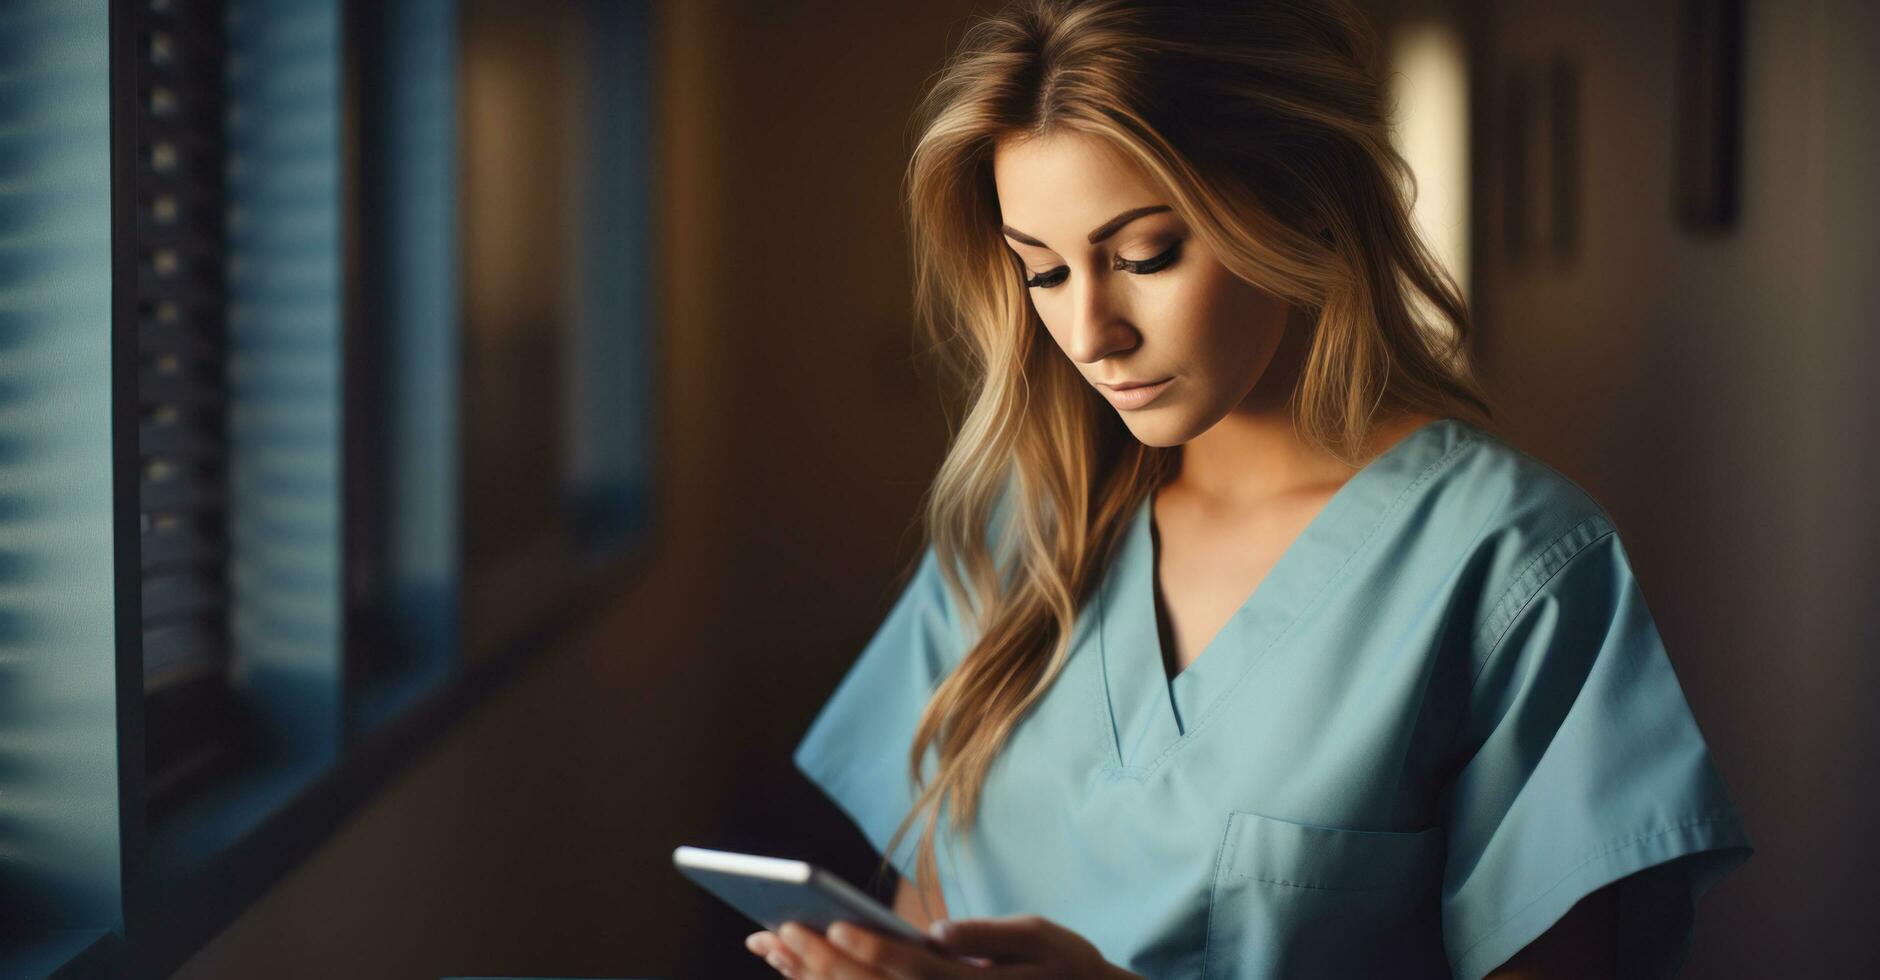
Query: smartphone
{"points": [[773, 891]]}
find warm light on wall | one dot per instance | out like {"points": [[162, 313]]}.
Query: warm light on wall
{"points": [[1429, 87]]}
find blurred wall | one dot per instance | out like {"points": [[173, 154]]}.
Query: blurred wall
{"points": [[1713, 391], [797, 438]]}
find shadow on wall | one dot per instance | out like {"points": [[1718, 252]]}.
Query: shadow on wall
{"points": [[1707, 385]]}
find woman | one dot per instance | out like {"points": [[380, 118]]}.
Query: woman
{"points": [[1240, 649]]}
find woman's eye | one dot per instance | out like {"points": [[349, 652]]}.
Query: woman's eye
{"points": [[1045, 280], [1155, 264]]}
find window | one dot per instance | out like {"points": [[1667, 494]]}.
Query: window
{"points": [[233, 431], [59, 816], [183, 454], [256, 297], [1429, 87]]}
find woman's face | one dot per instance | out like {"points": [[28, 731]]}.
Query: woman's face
{"points": [[1127, 291]]}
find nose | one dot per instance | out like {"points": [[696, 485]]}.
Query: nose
{"points": [[1097, 326]]}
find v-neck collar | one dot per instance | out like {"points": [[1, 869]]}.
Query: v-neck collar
{"points": [[1150, 713]]}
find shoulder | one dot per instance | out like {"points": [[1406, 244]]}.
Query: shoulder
{"points": [[1517, 521], [1482, 473], [1464, 486], [1511, 490]]}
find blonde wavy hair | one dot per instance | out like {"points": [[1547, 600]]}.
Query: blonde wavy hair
{"points": [[1264, 121]]}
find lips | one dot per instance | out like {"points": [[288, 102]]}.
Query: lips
{"points": [[1135, 396], [1126, 385]]}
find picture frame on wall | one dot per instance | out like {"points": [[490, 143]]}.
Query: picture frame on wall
{"points": [[1708, 116], [1539, 161]]}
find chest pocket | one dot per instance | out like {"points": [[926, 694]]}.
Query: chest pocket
{"points": [[1297, 901]]}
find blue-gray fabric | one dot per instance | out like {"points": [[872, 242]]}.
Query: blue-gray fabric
{"points": [[1443, 718]]}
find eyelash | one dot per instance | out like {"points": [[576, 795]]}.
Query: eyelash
{"points": [[1046, 280]]}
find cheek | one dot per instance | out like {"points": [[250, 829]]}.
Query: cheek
{"points": [[1053, 323], [1224, 323]]}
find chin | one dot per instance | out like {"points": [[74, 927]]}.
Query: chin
{"points": [[1161, 430]]}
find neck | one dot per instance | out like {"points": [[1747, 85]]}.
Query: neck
{"points": [[1254, 453]]}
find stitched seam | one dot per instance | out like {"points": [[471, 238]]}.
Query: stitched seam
{"points": [[1468, 439], [1320, 888], [1609, 848], [1135, 773], [1489, 658], [1505, 601], [1242, 816], [1214, 893], [1495, 620]]}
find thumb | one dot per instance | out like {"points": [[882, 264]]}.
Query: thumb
{"points": [[1012, 938]]}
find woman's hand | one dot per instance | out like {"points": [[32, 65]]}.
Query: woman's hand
{"points": [[1017, 946]]}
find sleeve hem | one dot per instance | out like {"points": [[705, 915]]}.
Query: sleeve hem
{"points": [[876, 831], [1615, 860]]}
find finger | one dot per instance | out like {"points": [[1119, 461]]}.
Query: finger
{"points": [[819, 958], [767, 947], [1005, 939], [786, 965], [893, 957]]}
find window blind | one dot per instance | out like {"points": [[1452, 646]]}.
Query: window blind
{"points": [[182, 296]]}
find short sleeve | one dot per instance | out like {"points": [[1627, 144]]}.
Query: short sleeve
{"points": [[856, 748], [1581, 765]]}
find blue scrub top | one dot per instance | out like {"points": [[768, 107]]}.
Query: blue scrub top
{"points": [[1443, 718]]}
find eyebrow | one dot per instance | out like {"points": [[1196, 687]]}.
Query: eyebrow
{"points": [[1103, 231]]}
